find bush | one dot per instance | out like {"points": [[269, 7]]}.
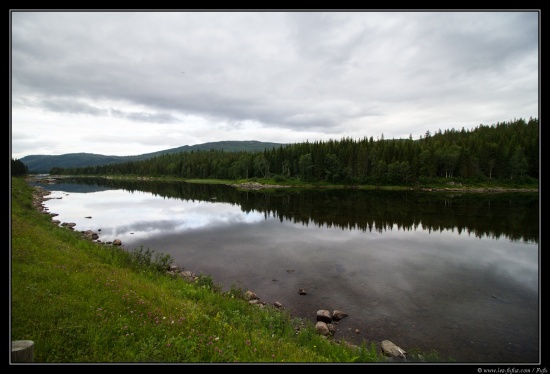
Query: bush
{"points": [[141, 260]]}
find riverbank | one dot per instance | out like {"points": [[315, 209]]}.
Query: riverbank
{"points": [[260, 287], [86, 297], [441, 185]]}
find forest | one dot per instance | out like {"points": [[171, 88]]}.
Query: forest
{"points": [[502, 151], [18, 167]]}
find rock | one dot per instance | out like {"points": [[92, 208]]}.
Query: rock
{"points": [[338, 315], [249, 295], [256, 186], [391, 350], [322, 328], [324, 316], [89, 234], [188, 275]]}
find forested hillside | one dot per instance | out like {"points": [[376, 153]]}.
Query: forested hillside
{"points": [[503, 151], [44, 163]]}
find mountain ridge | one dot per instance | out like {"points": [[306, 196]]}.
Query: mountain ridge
{"points": [[42, 164]]}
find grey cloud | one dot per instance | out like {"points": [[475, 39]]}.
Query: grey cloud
{"points": [[225, 90], [301, 71], [145, 117], [66, 105]]}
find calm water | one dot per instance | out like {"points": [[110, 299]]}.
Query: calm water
{"points": [[458, 274]]}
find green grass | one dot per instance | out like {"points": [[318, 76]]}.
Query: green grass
{"points": [[85, 302]]}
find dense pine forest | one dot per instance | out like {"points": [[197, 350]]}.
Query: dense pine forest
{"points": [[18, 167], [502, 151]]}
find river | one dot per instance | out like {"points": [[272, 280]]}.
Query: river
{"points": [[455, 273]]}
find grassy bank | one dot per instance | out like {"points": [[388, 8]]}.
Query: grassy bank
{"points": [[432, 184], [85, 302]]}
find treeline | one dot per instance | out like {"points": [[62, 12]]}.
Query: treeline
{"points": [[18, 168], [503, 151]]}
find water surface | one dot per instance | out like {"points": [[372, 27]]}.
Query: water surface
{"points": [[453, 273]]}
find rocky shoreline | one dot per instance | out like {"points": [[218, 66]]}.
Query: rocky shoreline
{"points": [[326, 321], [452, 186], [455, 187]]}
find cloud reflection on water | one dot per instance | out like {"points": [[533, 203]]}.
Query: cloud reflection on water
{"points": [[390, 281]]}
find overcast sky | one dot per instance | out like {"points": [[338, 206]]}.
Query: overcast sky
{"points": [[128, 83]]}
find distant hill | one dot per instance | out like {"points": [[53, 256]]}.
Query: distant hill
{"points": [[42, 164]]}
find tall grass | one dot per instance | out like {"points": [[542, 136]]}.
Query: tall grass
{"points": [[85, 302]]}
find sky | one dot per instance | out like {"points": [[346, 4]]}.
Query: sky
{"points": [[135, 82]]}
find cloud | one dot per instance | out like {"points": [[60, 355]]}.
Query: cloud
{"points": [[282, 76]]}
